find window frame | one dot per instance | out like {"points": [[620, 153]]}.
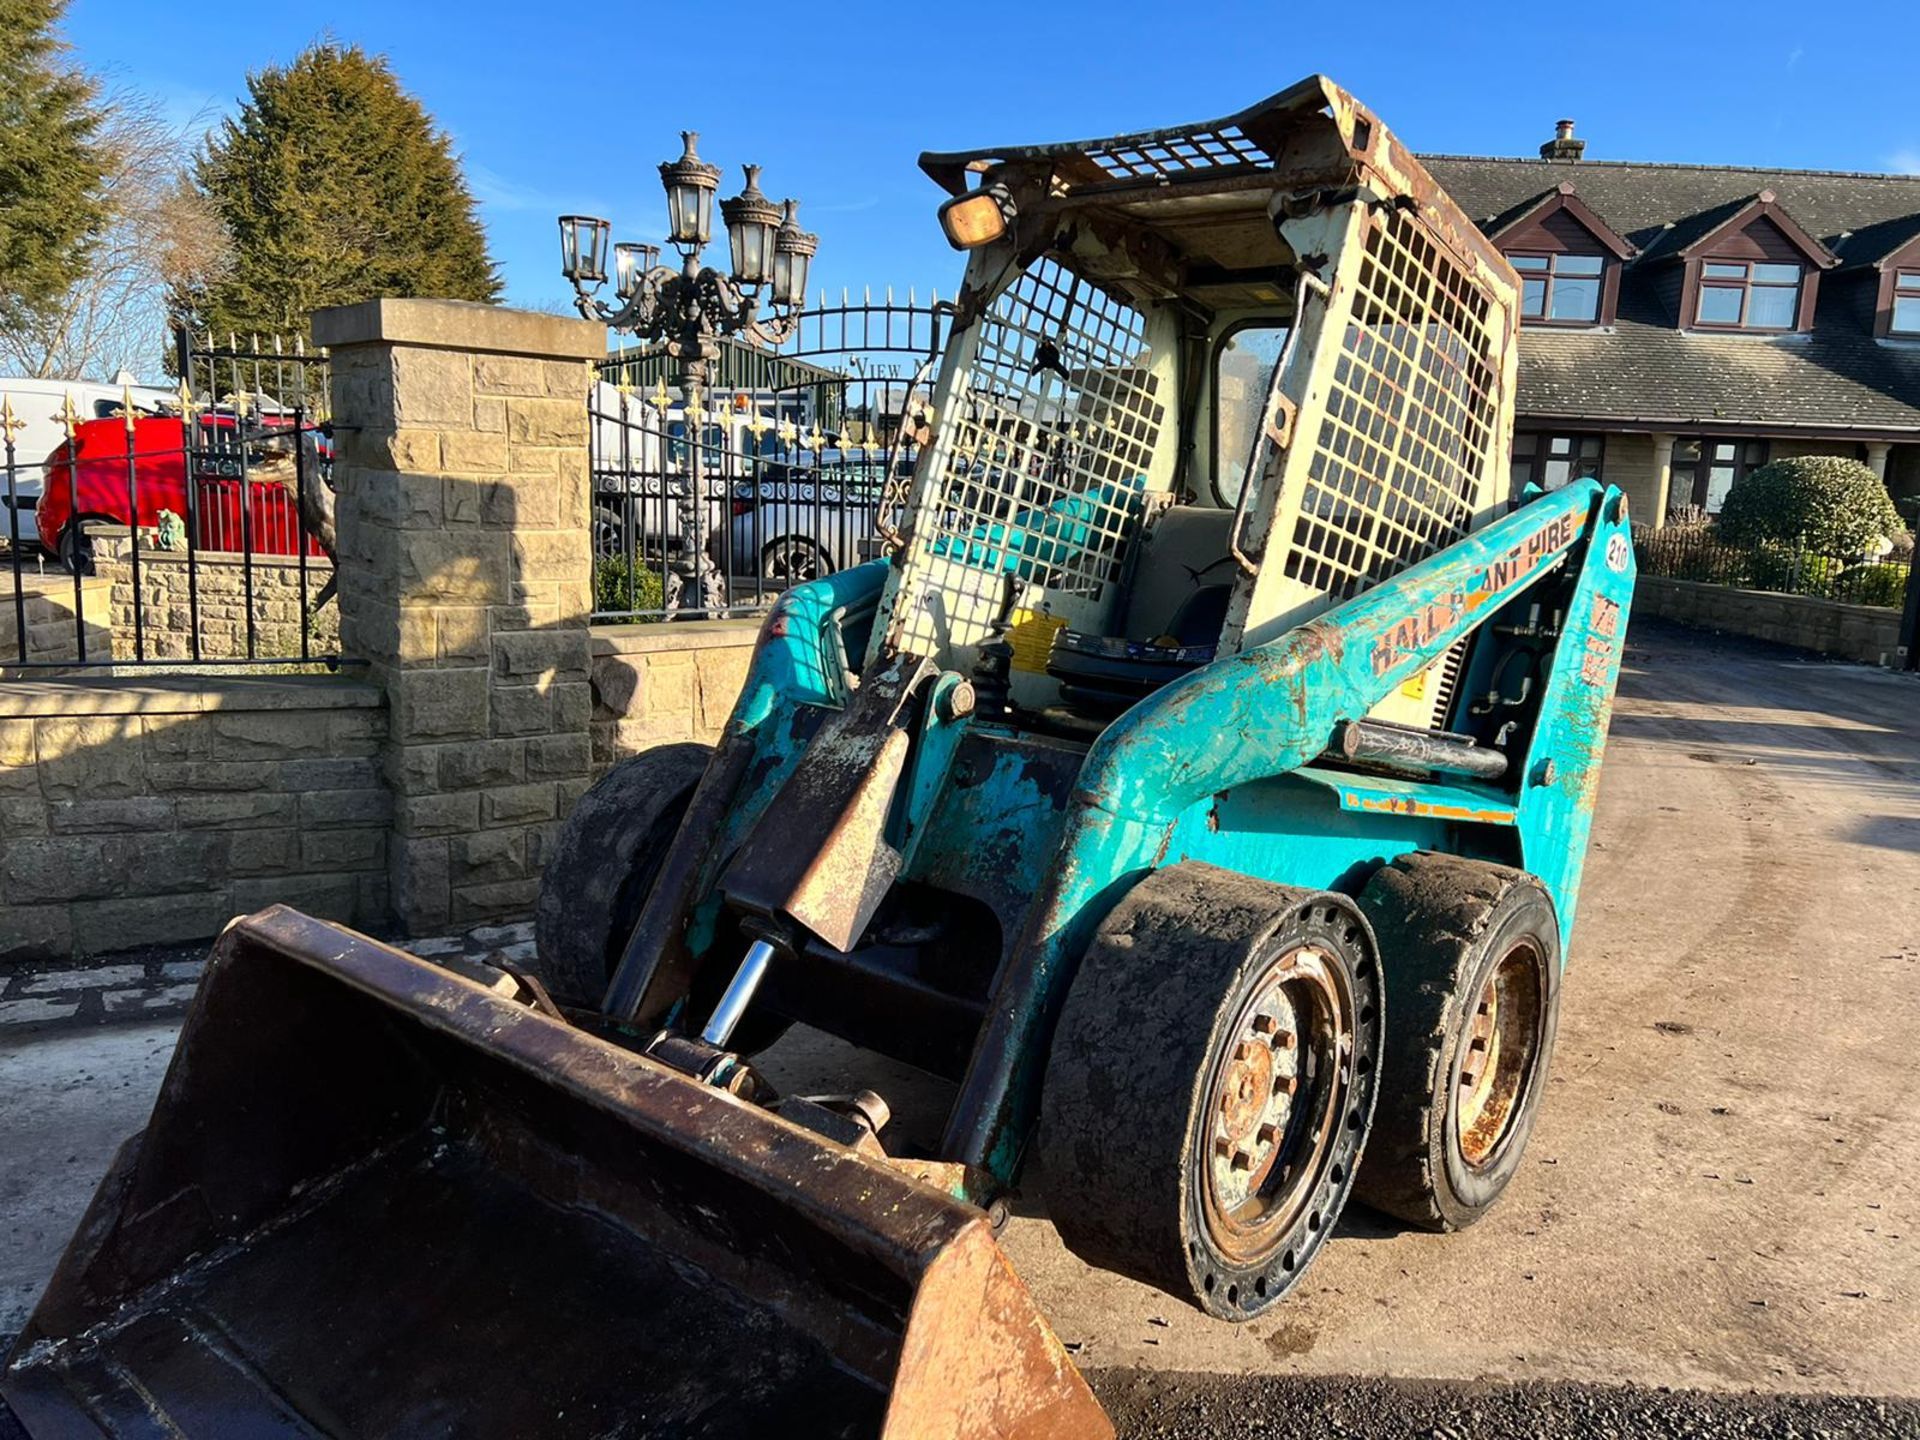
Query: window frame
{"points": [[1905, 286], [1600, 279], [1543, 455], [1216, 482], [1700, 470], [1746, 286]]}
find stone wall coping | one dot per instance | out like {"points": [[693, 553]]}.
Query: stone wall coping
{"points": [[319, 566], [184, 695], [664, 638], [51, 584], [1812, 603], [460, 325]]}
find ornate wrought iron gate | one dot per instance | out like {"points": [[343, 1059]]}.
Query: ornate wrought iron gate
{"points": [[712, 504]]}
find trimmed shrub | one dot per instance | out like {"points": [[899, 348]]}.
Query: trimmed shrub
{"points": [[1830, 504], [1773, 566], [1873, 585], [619, 586]]}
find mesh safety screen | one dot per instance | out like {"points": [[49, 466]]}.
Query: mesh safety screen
{"points": [[1176, 153], [1042, 459], [1398, 464]]}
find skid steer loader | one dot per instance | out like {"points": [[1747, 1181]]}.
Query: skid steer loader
{"points": [[1200, 787]]}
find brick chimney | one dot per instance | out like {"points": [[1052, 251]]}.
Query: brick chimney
{"points": [[1563, 146]]}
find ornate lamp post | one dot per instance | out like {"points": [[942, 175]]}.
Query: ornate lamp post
{"points": [[693, 307]]}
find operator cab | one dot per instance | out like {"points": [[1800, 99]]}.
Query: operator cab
{"points": [[1113, 496]]}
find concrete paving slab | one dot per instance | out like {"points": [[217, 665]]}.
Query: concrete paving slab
{"points": [[71, 1097]]}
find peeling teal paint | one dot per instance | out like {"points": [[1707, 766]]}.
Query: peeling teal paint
{"points": [[1219, 765]]}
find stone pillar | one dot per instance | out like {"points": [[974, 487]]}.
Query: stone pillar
{"points": [[1877, 452], [465, 582], [1662, 479]]}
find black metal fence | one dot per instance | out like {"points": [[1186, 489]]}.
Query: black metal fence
{"points": [[1697, 552], [147, 527], [791, 465]]}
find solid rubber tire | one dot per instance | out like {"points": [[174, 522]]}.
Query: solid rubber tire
{"points": [[603, 865], [1443, 922], [1127, 1082]]}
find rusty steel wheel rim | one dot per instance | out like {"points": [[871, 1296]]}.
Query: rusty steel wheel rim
{"points": [[1503, 1039], [1276, 1096]]}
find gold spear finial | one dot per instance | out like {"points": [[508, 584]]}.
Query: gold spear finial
{"points": [[10, 424], [126, 407]]}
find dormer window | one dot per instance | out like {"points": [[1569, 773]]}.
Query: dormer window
{"points": [[1748, 295], [1905, 319], [1749, 266], [1567, 257], [1560, 289]]}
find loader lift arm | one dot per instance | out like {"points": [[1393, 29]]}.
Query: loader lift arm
{"points": [[1275, 710]]}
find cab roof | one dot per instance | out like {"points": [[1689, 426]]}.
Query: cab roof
{"points": [[1205, 188]]}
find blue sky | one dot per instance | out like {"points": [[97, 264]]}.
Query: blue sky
{"points": [[563, 107]]}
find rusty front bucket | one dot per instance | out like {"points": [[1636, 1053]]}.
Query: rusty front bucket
{"points": [[376, 1199]]}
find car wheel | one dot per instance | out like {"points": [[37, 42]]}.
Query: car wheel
{"points": [[793, 559], [609, 537], [75, 551]]}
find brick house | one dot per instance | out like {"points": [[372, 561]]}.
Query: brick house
{"points": [[1683, 324]]}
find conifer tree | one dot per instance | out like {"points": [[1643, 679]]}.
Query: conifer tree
{"points": [[50, 166], [334, 187]]}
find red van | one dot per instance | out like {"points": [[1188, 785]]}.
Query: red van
{"points": [[98, 489]]}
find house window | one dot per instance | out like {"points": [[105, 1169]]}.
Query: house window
{"points": [[1552, 461], [1906, 303], [1704, 470], [1744, 295], [1560, 289]]}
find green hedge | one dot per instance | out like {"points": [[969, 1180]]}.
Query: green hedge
{"points": [[1873, 585], [620, 586]]}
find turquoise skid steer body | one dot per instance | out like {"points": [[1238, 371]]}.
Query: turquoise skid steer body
{"points": [[1199, 788]]}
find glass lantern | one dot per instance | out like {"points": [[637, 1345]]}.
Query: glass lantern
{"points": [[583, 249], [793, 251], [690, 184], [631, 262], [752, 220]]}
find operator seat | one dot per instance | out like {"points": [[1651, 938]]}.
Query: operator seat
{"points": [[1172, 618]]}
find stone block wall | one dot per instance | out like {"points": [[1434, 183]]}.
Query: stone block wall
{"points": [[1851, 632], [222, 580], [654, 684], [47, 606], [463, 506], [152, 812], [1629, 463]]}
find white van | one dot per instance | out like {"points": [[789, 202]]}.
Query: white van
{"points": [[39, 405]]}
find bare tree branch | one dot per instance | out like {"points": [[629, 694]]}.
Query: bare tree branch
{"points": [[161, 238]]}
